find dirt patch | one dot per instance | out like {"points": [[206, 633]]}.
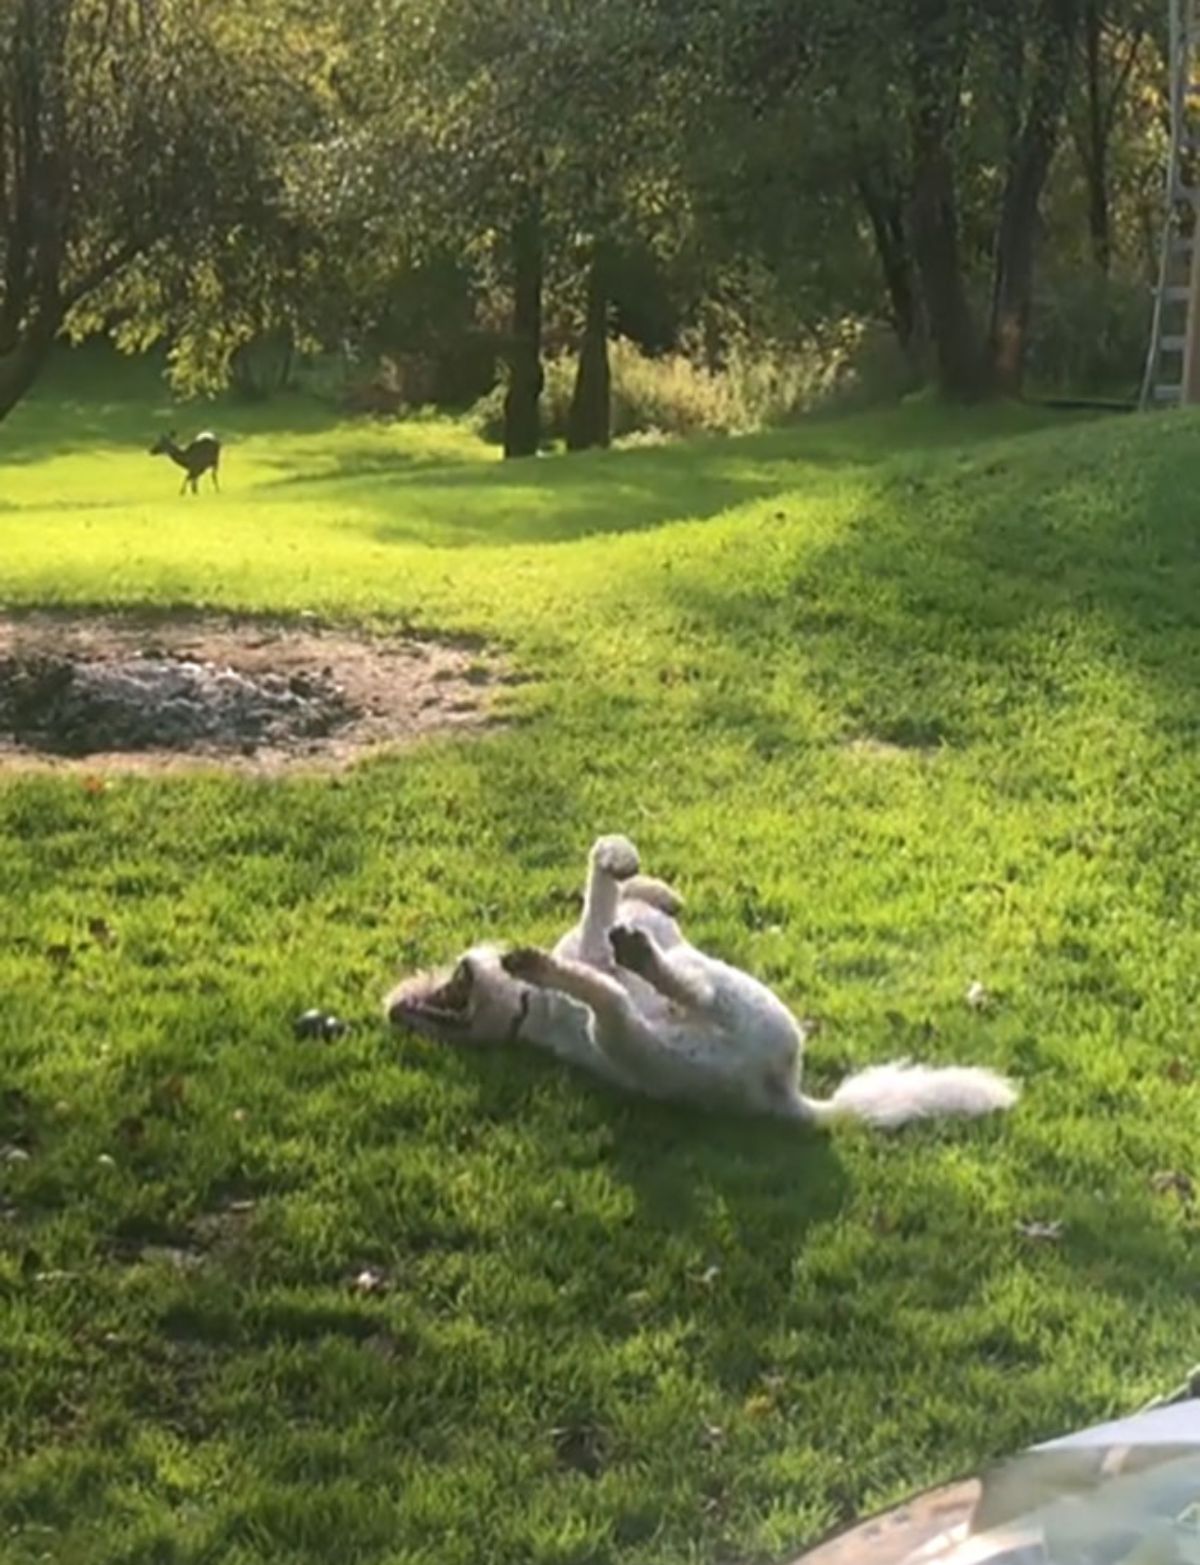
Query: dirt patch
{"points": [[119, 693]]}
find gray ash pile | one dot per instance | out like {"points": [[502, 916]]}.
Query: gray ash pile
{"points": [[146, 702]]}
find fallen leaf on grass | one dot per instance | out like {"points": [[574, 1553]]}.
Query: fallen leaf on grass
{"points": [[758, 1406], [169, 1093], [1172, 1180], [172, 1255], [1046, 1232], [382, 1345], [978, 998], [713, 1506], [132, 1129], [579, 1447], [369, 1280]]}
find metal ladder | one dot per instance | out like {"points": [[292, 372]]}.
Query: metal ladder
{"points": [[1172, 374]]}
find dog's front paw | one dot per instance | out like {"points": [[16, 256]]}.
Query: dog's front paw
{"points": [[527, 963], [631, 947], [615, 856]]}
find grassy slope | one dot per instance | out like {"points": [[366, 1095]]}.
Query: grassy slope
{"points": [[1020, 601]]}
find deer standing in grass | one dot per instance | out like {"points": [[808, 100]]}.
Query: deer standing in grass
{"points": [[198, 457]]}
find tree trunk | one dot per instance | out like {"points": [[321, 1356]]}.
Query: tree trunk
{"points": [[959, 362], [1029, 163], [1099, 226], [590, 416], [522, 422], [939, 38], [1095, 158], [884, 203], [1094, 136], [21, 365], [34, 190]]}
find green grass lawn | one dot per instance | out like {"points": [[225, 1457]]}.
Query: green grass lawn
{"points": [[899, 701]]}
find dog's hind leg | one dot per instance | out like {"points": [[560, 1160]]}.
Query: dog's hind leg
{"points": [[613, 860], [638, 951]]}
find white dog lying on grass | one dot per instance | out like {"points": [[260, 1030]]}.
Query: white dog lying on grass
{"points": [[624, 995]]}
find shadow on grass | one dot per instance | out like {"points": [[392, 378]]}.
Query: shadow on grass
{"points": [[721, 1206], [735, 1179], [562, 498], [564, 507], [962, 598]]}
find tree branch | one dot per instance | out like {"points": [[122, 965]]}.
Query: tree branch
{"points": [[101, 272]]}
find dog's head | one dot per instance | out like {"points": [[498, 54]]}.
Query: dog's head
{"points": [[475, 1001]]}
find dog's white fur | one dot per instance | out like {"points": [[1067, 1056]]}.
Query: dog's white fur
{"points": [[624, 995]]}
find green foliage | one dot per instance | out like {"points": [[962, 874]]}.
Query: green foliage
{"points": [[321, 177], [755, 387], [1090, 333], [253, 274]]}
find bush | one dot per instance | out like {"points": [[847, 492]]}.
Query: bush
{"points": [[1089, 334], [674, 394]]}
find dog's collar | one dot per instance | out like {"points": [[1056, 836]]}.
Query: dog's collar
{"points": [[514, 1032]]}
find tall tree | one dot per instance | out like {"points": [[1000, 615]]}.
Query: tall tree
{"points": [[522, 422], [938, 42], [1037, 48], [135, 139], [1114, 39], [984, 89]]}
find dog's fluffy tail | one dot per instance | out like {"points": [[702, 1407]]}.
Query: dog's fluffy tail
{"points": [[888, 1096]]}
